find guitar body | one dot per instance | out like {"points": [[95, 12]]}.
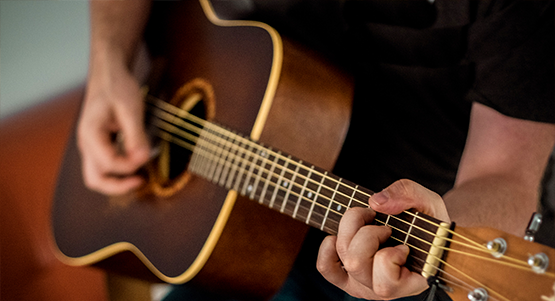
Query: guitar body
{"points": [[279, 93]]}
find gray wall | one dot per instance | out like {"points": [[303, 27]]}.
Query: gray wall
{"points": [[43, 50]]}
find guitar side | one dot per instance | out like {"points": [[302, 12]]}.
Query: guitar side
{"points": [[264, 86]]}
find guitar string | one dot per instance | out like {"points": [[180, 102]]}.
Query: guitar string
{"points": [[455, 281], [169, 138], [299, 195], [482, 248], [455, 269], [451, 280], [464, 275], [407, 234], [183, 114], [422, 251], [167, 116]]}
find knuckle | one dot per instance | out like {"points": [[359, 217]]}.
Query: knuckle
{"points": [[322, 267], [384, 291], [354, 265], [404, 187], [382, 255], [92, 182]]}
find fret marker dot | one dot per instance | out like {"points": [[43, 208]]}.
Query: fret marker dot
{"points": [[249, 188], [285, 184], [309, 195], [339, 207], [262, 154]]}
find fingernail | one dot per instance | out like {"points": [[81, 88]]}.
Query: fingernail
{"points": [[380, 198]]}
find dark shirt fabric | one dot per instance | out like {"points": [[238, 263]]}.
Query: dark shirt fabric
{"points": [[418, 68]]}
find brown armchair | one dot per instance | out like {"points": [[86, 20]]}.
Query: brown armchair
{"points": [[32, 144]]}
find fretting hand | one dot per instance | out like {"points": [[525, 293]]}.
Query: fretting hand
{"points": [[352, 261]]}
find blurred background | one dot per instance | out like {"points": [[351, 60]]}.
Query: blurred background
{"points": [[43, 50], [44, 53]]}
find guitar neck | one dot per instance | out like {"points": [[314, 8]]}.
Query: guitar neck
{"points": [[284, 183]]}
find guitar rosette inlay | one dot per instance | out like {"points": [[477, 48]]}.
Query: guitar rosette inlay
{"points": [[168, 172]]}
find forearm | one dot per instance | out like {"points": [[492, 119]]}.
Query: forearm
{"points": [[500, 171], [116, 30], [493, 201]]}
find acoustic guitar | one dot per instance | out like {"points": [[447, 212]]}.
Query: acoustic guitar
{"points": [[204, 218]]}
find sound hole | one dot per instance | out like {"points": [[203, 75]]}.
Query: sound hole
{"points": [[168, 172]]}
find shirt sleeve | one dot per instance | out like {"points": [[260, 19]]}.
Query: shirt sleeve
{"points": [[511, 46]]}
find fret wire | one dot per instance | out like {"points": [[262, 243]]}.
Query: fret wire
{"points": [[212, 173], [290, 186], [241, 168], [410, 228], [278, 183], [206, 144], [203, 163], [197, 163], [301, 195], [258, 175], [352, 197], [234, 167], [249, 174], [320, 185], [222, 165], [327, 213], [270, 176], [244, 158], [331, 200], [228, 163], [311, 210]]}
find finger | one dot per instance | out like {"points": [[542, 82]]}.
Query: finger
{"points": [[331, 268], [391, 278], [353, 219], [108, 184], [359, 259], [405, 194], [329, 264], [98, 147], [95, 130], [132, 129]]}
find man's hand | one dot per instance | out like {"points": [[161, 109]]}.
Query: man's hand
{"points": [[352, 261], [111, 135]]}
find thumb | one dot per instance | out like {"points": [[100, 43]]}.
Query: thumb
{"points": [[135, 142], [406, 194]]}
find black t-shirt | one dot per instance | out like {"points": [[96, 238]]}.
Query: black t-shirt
{"points": [[418, 66]]}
